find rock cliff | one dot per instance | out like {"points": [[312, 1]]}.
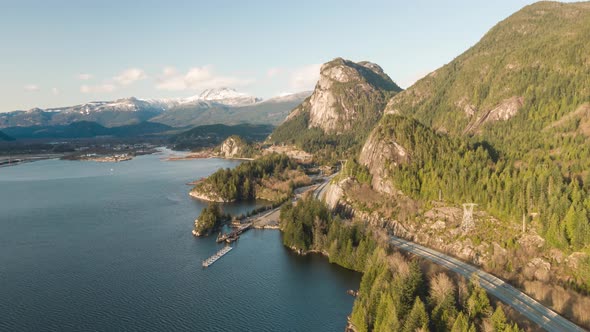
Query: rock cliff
{"points": [[232, 147], [348, 100], [343, 87]]}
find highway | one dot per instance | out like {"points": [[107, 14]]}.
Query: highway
{"points": [[533, 310], [320, 191]]}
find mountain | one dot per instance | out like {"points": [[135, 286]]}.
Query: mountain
{"points": [[4, 137], [221, 105], [86, 129], [228, 96], [527, 72], [200, 111], [505, 125], [522, 90], [346, 103]]}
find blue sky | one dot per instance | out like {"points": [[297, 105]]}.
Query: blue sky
{"points": [[58, 53]]}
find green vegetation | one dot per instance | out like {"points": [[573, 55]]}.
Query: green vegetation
{"points": [[467, 170], [353, 169], [539, 53], [212, 135], [394, 294], [210, 218], [254, 179], [325, 147], [86, 129], [310, 226]]}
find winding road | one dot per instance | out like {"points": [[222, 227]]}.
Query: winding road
{"points": [[533, 310]]}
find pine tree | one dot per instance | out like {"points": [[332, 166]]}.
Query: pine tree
{"points": [[461, 324], [418, 318], [499, 320], [386, 318]]}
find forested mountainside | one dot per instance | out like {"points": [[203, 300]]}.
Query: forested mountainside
{"points": [[503, 125]]}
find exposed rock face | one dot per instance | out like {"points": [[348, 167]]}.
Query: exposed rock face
{"points": [[291, 151], [232, 147], [538, 269], [335, 192], [378, 152], [334, 105], [207, 195], [506, 110]]}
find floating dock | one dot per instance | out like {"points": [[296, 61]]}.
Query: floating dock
{"points": [[233, 235], [209, 261]]}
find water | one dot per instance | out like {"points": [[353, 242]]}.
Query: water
{"points": [[107, 247]]}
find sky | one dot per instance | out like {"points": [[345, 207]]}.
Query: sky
{"points": [[57, 53]]}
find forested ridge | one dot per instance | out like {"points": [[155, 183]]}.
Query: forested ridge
{"points": [[245, 181]]}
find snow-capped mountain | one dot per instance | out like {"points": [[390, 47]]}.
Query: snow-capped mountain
{"points": [[223, 96], [228, 96], [221, 105]]}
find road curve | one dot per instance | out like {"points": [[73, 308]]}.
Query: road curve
{"points": [[533, 310], [320, 191]]}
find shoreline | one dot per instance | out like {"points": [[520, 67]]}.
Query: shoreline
{"points": [[206, 198], [204, 155], [23, 159]]}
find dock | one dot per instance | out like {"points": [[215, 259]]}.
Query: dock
{"points": [[233, 235], [209, 261]]}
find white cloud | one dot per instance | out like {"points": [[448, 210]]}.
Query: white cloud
{"points": [[196, 78], [31, 87], [85, 77], [101, 88], [272, 72], [304, 78], [130, 76], [55, 91]]}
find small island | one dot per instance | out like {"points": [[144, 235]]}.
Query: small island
{"points": [[210, 219]]}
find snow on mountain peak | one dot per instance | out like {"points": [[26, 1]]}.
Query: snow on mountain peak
{"points": [[227, 96], [221, 93]]}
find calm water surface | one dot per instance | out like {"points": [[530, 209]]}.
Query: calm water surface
{"points": [[107, 247]]}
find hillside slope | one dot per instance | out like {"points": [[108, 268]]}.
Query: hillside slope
{"points": [[505, 126], [526, 72]]}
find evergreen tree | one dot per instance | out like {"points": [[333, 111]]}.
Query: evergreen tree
{"points": [[418, 318], [499, 320]]}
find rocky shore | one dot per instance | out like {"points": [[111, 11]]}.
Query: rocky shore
{"points": [[208, 197]]}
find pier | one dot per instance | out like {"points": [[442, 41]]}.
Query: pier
{"points": [[233, 235], [209, 261]]}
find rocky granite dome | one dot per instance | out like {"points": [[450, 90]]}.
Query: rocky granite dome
{"points": [[233, 147], [343, 95], [342, 86], [347, 101]]}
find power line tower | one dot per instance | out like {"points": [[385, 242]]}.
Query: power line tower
{"points": [[468, 222]]}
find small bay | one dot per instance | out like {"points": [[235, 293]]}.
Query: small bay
{"points": [[107, 247]]}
